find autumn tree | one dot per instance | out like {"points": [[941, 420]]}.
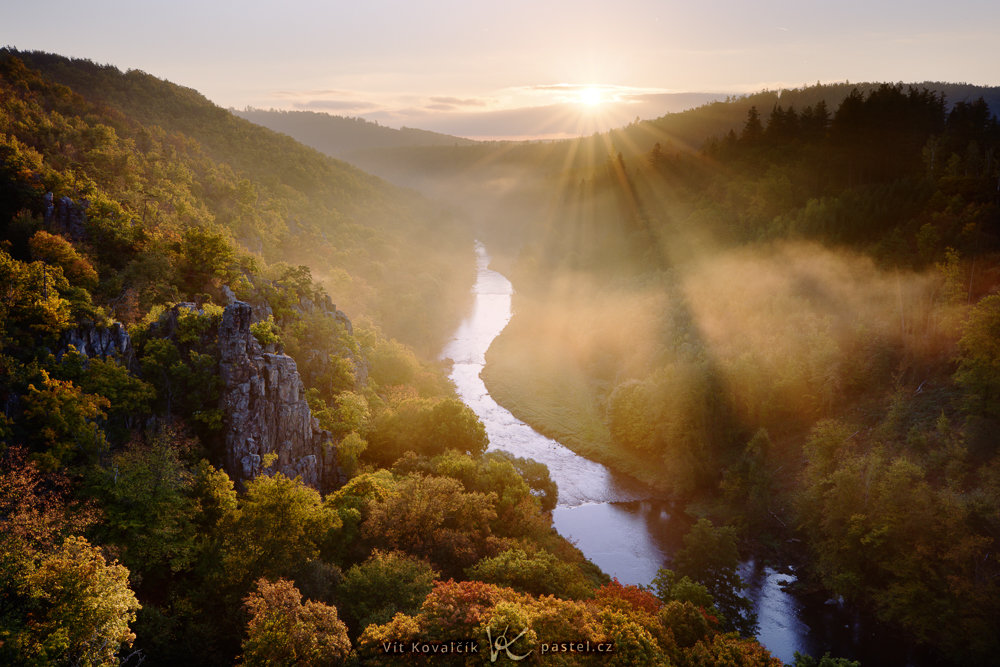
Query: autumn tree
{"points": [[433, 518], [284, 630], [61, 601], [56, 250]]}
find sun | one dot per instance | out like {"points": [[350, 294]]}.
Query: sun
{"points": [[591, 96]]}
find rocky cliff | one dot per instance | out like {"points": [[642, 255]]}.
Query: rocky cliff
{"points": [[262, 397], [265, 410], [92, 340]]}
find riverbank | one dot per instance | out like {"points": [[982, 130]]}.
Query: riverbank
{"points": [[552, 396]]}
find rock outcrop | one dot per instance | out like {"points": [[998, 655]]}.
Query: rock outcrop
{"points": [[262, 397], [97, 341], [265, 410], [65, 215], [326, 306]]}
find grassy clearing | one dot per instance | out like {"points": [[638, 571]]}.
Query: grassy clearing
{"points": [[541, 384]]}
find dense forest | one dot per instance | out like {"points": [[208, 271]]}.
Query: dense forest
{"points": [[167, 270], [782, 311], [792, 331]]}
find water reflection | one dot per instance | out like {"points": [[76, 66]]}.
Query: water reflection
{"points": [[617, 522], [579, 480], [626, 539]]}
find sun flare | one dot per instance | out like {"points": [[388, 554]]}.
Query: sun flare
{"points": [[591, 96]]}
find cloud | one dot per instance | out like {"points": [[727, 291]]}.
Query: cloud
{"points": [[284, 94], [459, 102], [573, 92], [547, 110], [336, 105], [674, 102]]}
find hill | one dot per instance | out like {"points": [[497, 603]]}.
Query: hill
{"points": [[373, 244], [503, 187], [175, 488], [787, 330], [342, 137]]}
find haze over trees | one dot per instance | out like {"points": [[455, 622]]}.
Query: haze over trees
{"points": [[133, 213], [780, 310], [788, 331]]}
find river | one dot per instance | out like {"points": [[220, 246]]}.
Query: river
{"points": [[618, 522]]}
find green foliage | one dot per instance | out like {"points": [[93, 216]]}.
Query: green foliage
{"points": [[326, 354], [536, 475], [540, 573], [392, 363], [281, 526], [688, 622], [426, 427], [709, 557], [384, 585], [349, 451], [20, 168], [497, 473], [208, 259], [266, 332], [149, 507], [978, 371], [33, 308], [185, 379], [882, 530], [826, 661], [62, 422], [748, 484], [350, 503], [128, 397], [671, 589]]}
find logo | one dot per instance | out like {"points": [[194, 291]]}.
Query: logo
{"points": [[501, 643]]}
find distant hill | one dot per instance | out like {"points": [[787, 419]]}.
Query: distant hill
{"points": [[421, 165], [502, 185], [341, 136], [690, 129], [154, 155]]}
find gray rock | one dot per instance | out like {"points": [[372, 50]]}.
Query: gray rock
{"points": [[265, 411], [97, 341], [65, 215]]}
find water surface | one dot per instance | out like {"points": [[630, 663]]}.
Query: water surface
{"points": [[619, 523]]}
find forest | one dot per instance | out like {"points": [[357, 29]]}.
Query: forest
{"points": [[206, 461], [791, 331], [781, 310]]}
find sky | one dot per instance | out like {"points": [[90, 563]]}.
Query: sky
{"points": [[512, 69]]}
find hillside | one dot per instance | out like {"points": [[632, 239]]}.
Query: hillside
{"points": [[792, 331], [505, 188], [342, 137], [366, 240], [203, 460]]}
